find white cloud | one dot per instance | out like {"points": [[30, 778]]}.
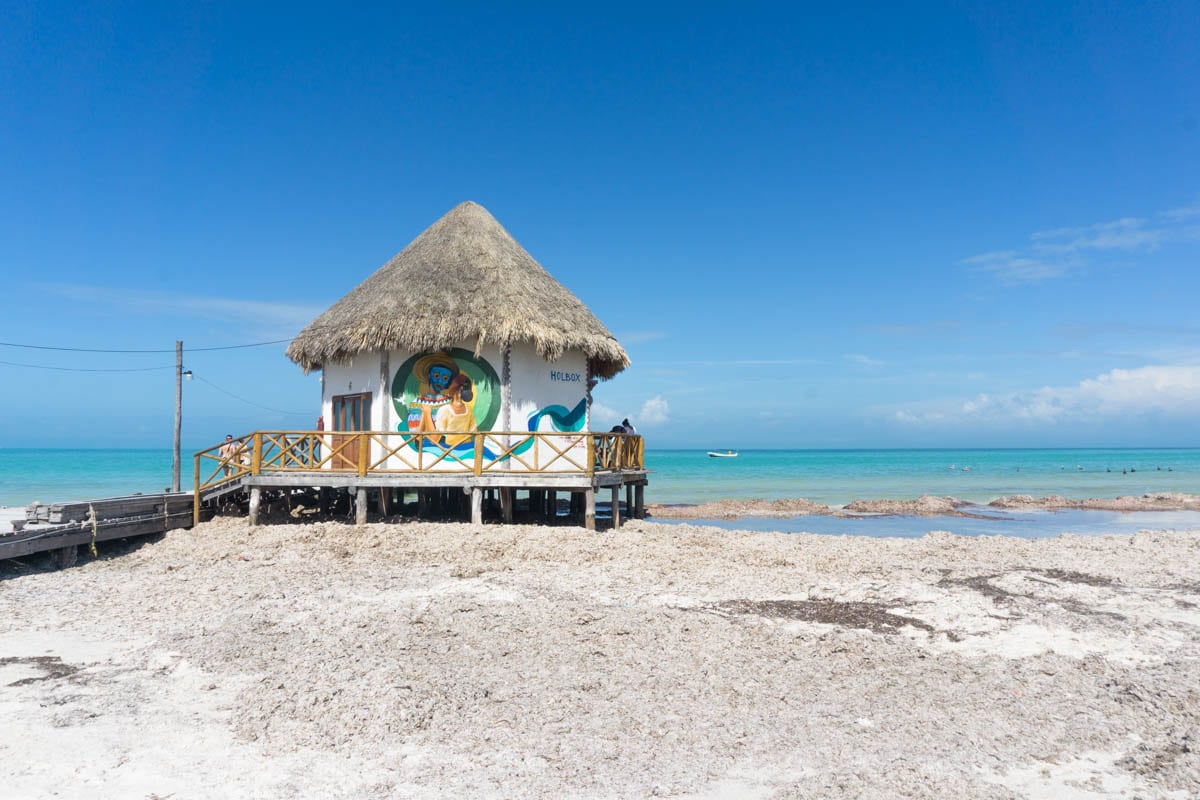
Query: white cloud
{"points": [[288, 316], [1062, 251], [602, 417], [1121, 234], [1187, 212], [739, 362], [865, 361], [655, 411], [1011, 267], [1172, 391]]}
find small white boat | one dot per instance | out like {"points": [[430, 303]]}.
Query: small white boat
{"points": [[726, 454]]}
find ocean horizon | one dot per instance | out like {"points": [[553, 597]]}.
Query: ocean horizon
{"points": [[690, 476]]}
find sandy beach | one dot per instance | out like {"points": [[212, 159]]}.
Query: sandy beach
{"points": [[432, 660]]}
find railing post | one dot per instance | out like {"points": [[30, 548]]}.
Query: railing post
{"points": [[364, 454], [256, 454], [591, 455], [196, 489], [478, 458]]}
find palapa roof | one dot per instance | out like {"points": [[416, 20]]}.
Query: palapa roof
{"points": [[464, 279]]}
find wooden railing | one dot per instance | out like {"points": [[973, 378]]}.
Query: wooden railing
{"points": [[381, 452]]}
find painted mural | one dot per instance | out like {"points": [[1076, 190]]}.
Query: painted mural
{"points": [[560, 417], [445, 393]]}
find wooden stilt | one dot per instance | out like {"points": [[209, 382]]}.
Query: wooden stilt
{"points": [[383, 500], [255, 501], [360, 506], [552, 504], [507, 496], [422, 503], [616, 507], [629, 501], [639, 503], [589, 512], [476, 506], [65, 557]]}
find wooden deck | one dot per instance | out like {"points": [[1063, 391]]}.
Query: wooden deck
{"points": [[381, 463], [446, 471], [63, 527]]}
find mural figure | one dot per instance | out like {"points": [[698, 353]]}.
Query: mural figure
{"points": [[446, 392], [446, 400]]}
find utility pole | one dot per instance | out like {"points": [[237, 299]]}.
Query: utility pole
{"points": [[178, 412]]}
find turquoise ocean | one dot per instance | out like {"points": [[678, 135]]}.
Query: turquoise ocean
{"points": [[837, 477], [833, 477]]}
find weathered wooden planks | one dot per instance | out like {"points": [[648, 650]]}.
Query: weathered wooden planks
{"points": [[70, 534], [58, 526], [110, 508]]}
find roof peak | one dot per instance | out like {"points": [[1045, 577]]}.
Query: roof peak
{"points": [[464, 278]]}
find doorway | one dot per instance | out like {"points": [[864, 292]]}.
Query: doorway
{"points": [[351, 413]]}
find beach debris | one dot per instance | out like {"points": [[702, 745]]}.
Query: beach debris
{"points": [[874, 617], [734, 509], [924, 506]]}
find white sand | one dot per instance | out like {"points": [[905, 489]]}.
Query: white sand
{"points": [[447, 661], [9, 515]]}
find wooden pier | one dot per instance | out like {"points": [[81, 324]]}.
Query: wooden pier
{"points": [[378, 464], [453, 474], [63, 527]]}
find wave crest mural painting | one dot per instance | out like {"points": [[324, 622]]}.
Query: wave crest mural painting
{"points": [[444, 393], [561, 418]]}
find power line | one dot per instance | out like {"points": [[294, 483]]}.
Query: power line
{"points": [[83, 369], [150, 369], [169, 350], [251, 402]]}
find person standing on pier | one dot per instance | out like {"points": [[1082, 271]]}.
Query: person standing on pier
{"points": [[316, 459], [229, 453]]}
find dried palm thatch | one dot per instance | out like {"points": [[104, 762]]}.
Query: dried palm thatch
{"points": [[464, 279]]}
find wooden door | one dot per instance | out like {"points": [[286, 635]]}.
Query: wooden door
{"points": [[351, 412]]}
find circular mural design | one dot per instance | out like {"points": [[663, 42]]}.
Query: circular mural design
{"points": [[445, 393]]}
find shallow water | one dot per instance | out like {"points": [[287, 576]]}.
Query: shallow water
{"points": [[50, 476], [834, 477], [1024, 524], [838, 477]]}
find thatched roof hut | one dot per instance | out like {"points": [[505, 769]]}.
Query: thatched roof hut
{"points": [[465, 279]]}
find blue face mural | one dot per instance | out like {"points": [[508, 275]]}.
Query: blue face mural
{"points": [[445, 393]]}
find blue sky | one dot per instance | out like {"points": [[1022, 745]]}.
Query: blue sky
{"points": [[879, 225]]}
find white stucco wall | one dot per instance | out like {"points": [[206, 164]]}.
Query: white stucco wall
{"points": [[361, 376], [537, 384], [561, 386], [549, 391]]}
